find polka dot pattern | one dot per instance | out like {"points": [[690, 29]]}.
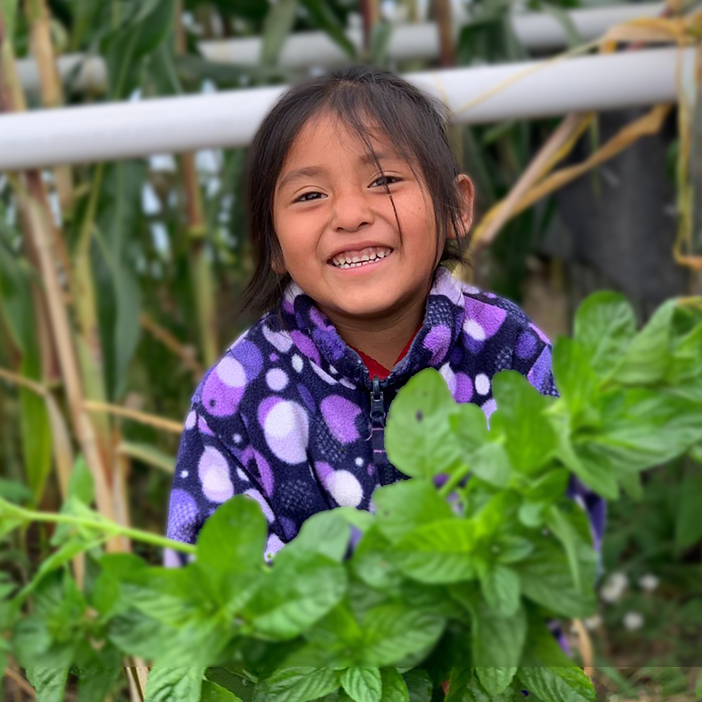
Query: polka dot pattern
{"points": [[213, 471], [277, 379]]}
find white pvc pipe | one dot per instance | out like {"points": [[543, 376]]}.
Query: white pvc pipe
{"points": [[534, 30], [230, 119]]}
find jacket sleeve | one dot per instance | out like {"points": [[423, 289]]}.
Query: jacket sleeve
{"points": [[206, 475], [537, 369]]}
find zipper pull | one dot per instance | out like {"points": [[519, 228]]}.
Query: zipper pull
{"points": [[385, 472], [377, 412]]}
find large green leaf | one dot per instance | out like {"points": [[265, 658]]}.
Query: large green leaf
{"points": [[325, 19], [278, 24], [393, 631], [500, 586], [604, 327], [647, 359], [520, 417], [546, 576], [143, 26], [497, 640], [418, 436], [575, 379], [326, 533], [559, 522], [337, 633], [49, 683], [19, 317], [495, 679], [643, 428], [211, 692], [465, 687], [419, 685], [405, 505], [36, 427], [558, 684], [298, 592], [582, 459], [363, 684], [372, 560], [168, 684], [119, 297], [17, 308], [438, 553], [394, 686], [96, 682], [300, 684], [233, 538]]}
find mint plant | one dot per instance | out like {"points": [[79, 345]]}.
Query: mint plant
{"points": [[454, 576]]}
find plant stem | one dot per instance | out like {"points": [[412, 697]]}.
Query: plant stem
{"points": [[107, 526], [454, 480]]}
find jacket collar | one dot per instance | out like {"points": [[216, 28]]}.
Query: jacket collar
{"points": [[316, 337]]}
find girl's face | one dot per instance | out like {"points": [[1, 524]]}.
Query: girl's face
{"points": [[331, 209]]}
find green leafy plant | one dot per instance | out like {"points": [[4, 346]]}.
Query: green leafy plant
{"points": [[454, 576]]}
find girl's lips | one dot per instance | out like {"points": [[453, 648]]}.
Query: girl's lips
{"points": [[365, 267]]}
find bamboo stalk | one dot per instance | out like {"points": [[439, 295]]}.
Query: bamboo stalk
{"points": [[567, 131], [20, 682], [104, 408], [585, 647], [370, 11], [197, 229], [444, 21], [172, 343], [26, 383], [39, 18], [119, 487], [82, 425], [88, 344]]}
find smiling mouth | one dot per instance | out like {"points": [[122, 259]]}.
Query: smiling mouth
{"points": [[357, 259]]}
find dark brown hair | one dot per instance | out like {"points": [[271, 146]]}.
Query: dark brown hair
{"points": [[360, 96]]}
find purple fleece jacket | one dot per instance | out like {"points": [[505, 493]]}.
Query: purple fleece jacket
{"points": [[290, 416]]}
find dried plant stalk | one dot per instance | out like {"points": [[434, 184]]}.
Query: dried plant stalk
{"points": [[585, 648], [39, 18], [171, 343], [447, 54], [197, 228], [142, 417], [566, 133]]}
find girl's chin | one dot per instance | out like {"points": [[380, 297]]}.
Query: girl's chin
{"points": [[367, 309]]}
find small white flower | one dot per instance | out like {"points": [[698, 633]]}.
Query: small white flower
{"points": [[648, 582], [614, 587], [184, 474], [633, 620], [593, 622]]}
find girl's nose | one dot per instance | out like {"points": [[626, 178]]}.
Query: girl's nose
{"points": [[351, 212]]}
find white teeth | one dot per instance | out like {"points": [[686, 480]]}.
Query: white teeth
{"points": [[369, 255]]}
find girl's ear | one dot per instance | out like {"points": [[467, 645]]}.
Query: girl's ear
{"points": [[277, 260], [278, 266], [466, 192]]}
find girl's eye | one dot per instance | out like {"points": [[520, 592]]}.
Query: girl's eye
{"points": [[304, 197], [387, 180]]}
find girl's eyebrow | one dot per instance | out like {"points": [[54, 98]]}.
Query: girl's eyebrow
{"points": [[312, 171]]}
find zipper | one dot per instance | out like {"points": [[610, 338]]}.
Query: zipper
{"points": [[385, 472]]}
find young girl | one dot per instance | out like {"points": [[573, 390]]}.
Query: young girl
{"points": [[355, 202]]}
